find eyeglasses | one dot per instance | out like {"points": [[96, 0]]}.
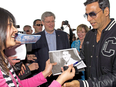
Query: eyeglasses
{"points": [[39, 25], [91, 14]]}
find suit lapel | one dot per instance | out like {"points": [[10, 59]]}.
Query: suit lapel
{"points": [[45, 40], [57, 40]]}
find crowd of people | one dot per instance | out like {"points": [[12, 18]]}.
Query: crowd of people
{"points": [[95, 46]]}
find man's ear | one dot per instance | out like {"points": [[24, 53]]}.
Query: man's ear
{"points": [[106, 11], [42, 22]]}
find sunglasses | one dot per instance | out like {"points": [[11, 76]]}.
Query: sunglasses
{"points": [[27, 31], [39, 25], [91, 14]]}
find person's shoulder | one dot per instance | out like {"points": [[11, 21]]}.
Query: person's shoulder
{"points": [[39, 33], [61, 32], [76, 41], [2, 80], [90, 32]]}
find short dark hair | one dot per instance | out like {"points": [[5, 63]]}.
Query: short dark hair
{"points": [[102, 3], [36, 20], [27, 26]]}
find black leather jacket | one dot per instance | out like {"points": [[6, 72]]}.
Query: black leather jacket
{"points": [[106, 57]]}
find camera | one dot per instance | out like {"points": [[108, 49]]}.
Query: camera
{"points": [[76, 70], [22, 32], [17, 26], [65, 22]]}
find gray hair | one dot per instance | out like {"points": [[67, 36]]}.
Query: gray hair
{"points": [[47, 14]]}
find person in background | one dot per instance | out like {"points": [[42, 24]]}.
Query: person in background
{"points": [[30, 57], [37, 25], [70, 30], [27, 29], [99, 47], [51, 39], [74, 38], [82, 29], [8, 78]]}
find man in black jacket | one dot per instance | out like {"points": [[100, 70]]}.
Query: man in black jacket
{"points": [[99, 47]]}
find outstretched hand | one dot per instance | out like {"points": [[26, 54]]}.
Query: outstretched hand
{"points": [[33, 66], [31, 57], [66, 75], [48, 68], [74, 83]]}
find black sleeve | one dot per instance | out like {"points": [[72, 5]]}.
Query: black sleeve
{"points": [[71, 35]]}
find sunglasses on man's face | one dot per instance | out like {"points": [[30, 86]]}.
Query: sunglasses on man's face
{"points": [[91, 14], [27, 31], [39, 25]]}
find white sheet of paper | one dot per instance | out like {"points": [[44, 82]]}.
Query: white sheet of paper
{"points": [[19, 51], [57, 56]]}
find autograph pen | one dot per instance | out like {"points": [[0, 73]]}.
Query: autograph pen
{"points": [[77, 62], [66, 67]]}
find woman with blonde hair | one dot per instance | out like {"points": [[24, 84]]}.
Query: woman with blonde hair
{"points": [[82, 29]]}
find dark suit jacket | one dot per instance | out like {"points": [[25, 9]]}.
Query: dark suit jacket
{"points": [[41, 49]]}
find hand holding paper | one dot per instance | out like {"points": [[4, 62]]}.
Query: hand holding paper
{"points": [[64, 58]]}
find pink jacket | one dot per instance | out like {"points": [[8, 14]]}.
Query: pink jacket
{"points": [[31, 82]]}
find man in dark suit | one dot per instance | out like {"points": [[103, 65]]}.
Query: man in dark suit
{"points": [[50, 40]]}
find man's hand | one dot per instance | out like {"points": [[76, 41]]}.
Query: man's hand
{"points": [[74, 83], [62, 24], [69, 26], [31, 57]]}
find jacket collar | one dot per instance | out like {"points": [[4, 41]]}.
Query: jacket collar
{"points": [[110, 25]]}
